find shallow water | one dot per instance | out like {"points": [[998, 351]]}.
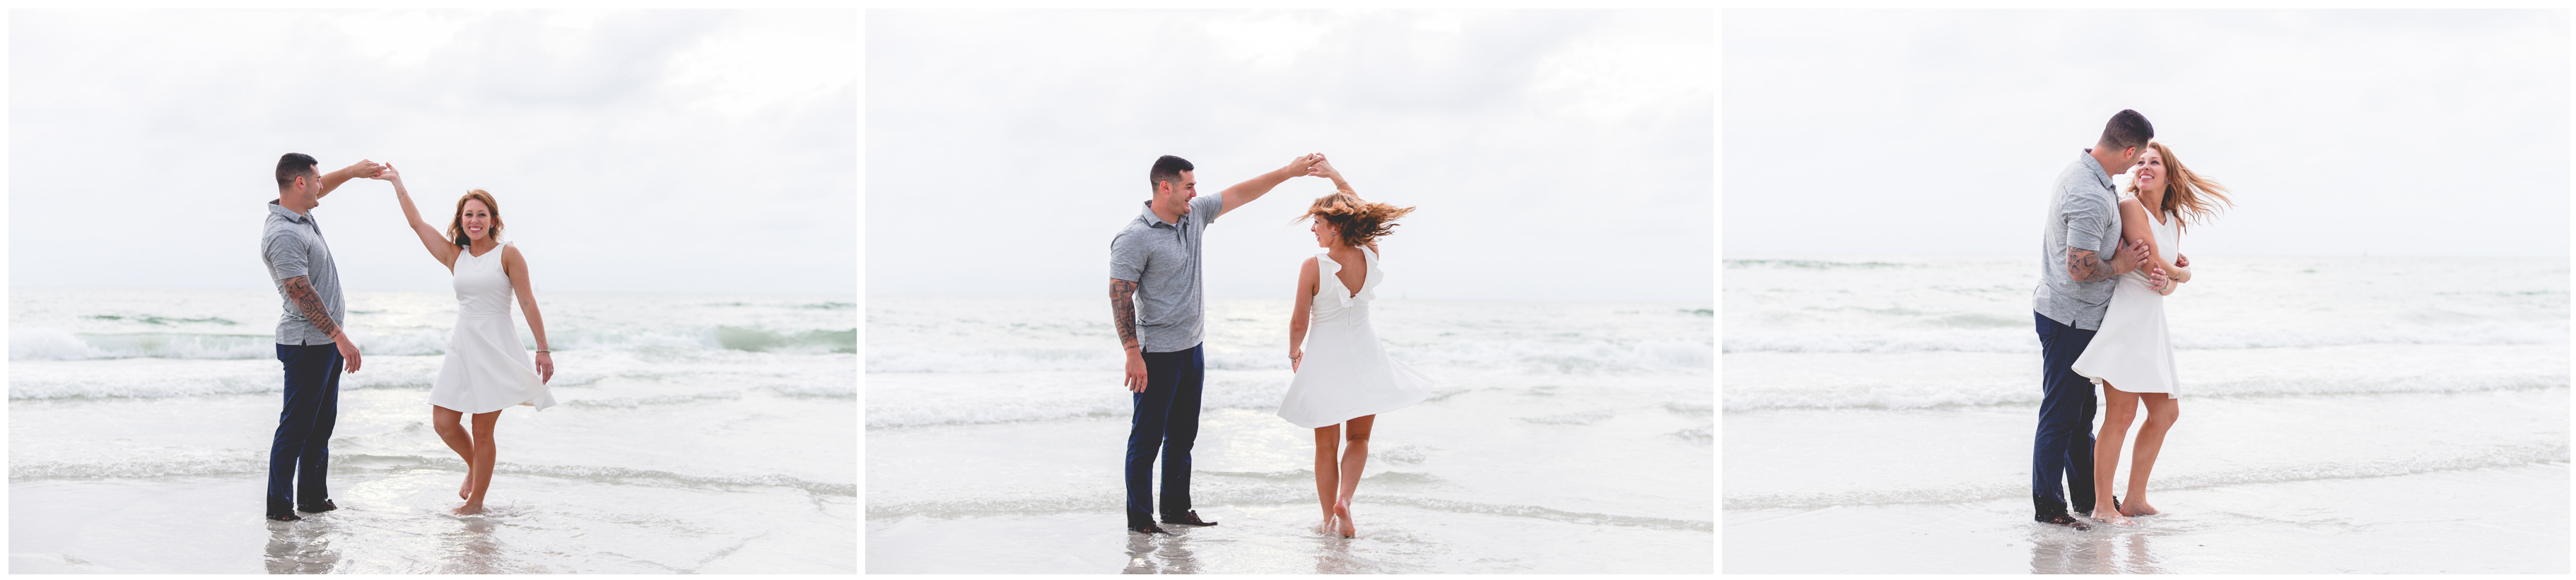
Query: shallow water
{"points": [[2391, 415], [1561, 436], [695, 434]]}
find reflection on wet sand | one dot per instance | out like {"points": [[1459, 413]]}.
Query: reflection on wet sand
{"points": [[1160, 554], [2100, 551], [301, 547], [1334, 557], [471, 549]]}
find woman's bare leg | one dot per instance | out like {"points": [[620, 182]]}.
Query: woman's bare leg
{"points": [[2162, 410], [1354, 457], [2120, 408], [1328, 444], [451, 430], [485, 450]]}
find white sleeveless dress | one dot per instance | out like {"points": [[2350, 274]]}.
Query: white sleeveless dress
{"points": [[487, 369], [1345, 373], [2132, 351]]}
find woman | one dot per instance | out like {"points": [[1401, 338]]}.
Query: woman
{"points": [[1352, 380], [486, 370], [2131, 357]]}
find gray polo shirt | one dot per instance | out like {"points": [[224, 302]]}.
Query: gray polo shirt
{"points": [[1162, 258], [292, 246], [2083, 213]]}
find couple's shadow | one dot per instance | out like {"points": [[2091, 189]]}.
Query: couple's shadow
{"points": [[2055, 550]]}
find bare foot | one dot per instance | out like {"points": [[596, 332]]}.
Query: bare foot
{"points": [[461, 487], [2137, 506], [1342, 511], [2115, 518], [1325, 526], [467, 509]]}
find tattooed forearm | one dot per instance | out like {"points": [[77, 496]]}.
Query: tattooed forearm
{"points": [[1122, 305], [309, 302], [2086, 266]]}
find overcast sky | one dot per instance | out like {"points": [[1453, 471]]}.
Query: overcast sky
{"points": [[1561, 155], [2392, 132], [669, 151]]}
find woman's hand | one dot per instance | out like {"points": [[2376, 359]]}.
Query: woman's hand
{"points": [[1324, 168], [545, 367], [2182, 261], [387, 173], [1294, 354]]}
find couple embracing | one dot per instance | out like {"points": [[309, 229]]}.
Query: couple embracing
{"points": [[2106, 263], [486, 369], [1342, 375]]}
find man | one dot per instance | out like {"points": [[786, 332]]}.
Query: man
{"points": [[311, 343], [2081, 254], [1154, 301]]}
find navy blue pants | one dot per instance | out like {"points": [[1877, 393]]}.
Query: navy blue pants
{"points": [[1167, 417], [303, 440], [2063, 449]]}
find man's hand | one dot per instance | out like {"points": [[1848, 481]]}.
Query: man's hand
{"points": [[363, 168], [1135, 371], [1122, 312], [2139, 253], [1304, 164], [348, 350]]}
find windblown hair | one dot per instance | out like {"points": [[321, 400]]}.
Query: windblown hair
{"points": [[294, 165], [456, 226], [1358, 221], [2187, 194]]}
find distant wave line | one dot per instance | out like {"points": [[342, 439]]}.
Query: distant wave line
{"points": [[2530, 454]]}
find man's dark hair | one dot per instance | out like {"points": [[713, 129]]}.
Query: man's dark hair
{"points": [[2127, 129], [294, 165], [1169, 169]]}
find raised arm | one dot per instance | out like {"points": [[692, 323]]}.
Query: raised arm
{"points": [[1306, 281], [439, 246], [1324, 168], [1122, 308], [309, 302], [515, 265], [1252, 189], [332, 180]]}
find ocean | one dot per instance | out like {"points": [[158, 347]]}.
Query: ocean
{"points": [[695, 434], [2339, 414], [1569, 437]]}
